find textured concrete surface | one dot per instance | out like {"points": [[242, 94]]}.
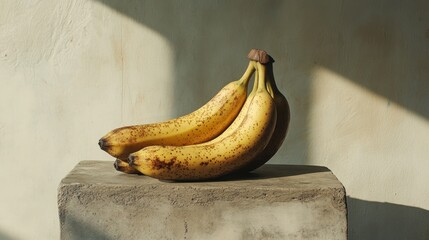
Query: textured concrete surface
{"points": [[274, 202]]}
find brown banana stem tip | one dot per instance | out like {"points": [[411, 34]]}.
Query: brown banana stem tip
{"points": [[102, 144], [260, 56]]}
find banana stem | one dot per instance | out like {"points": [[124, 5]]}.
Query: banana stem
{"points": [[270, 80], [248, 73], [255, 82], [269, 88], [272, 87], [261, 76]]}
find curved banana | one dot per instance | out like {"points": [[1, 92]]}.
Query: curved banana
{"points": [[207, 161], [282, 124], [241, 115], [199, 126], [123, 166]]}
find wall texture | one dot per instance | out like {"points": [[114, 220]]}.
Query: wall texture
{"points": [[356, 74]]}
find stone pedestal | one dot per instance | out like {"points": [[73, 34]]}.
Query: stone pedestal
{"points": [[274, 202]]}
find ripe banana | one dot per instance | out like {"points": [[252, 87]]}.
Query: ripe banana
{"points": [[242, 114], [282, 124], [199, 126], [123, 166], [211, 160]]}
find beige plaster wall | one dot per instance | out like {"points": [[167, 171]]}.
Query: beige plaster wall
{"points": [[356, 74]]}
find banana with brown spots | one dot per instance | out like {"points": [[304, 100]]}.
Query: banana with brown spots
{"points": [[123, 166], [282, 124], [216, 158], [199, 126]]}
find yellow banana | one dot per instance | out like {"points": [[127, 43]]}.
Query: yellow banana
{"points": [[123, 166], [211, 160], [199, 126], [242, 114], [282, 124]]}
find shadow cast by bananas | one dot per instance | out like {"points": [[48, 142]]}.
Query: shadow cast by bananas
{"points": [[382, 220], [267, 171], [275, 171]]}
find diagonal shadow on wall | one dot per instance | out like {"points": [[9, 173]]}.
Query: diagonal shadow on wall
{"points": [[384, 48], [4, 236]]}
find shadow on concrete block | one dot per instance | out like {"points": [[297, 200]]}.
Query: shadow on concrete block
{"points": [[275, 171]]}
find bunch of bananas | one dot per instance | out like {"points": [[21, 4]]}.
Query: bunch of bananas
{"points": [[232, 133]]}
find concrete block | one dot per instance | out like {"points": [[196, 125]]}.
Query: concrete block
{"points": [[274, 202]]}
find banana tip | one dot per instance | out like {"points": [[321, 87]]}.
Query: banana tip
{"points": [[116, 165], [102, 144], [131, 160]]}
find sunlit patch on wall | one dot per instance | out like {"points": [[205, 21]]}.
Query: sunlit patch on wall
{"points": [[364, 135]]}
